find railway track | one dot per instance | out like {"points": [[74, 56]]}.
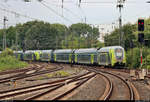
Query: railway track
{"points": [[20, 72], [53, 86], [148, 76], [115, 86], [112, 92], [33, 66], [34, 71], [108, 89]]}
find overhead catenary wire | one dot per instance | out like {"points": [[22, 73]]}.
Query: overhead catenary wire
{"points": [[16, 13], [79, 6], [55, 12], [66, 9], [81, 11], [5, 6], [102, 2], [84, 2]]}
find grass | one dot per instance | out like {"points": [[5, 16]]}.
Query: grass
{"points": [[10, 62], [57, 74]]}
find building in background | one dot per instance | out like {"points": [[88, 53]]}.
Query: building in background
{"points": [[104, 29]]}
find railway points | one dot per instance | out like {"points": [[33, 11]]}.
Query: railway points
{"points": [[68, 87], [65, 57]]}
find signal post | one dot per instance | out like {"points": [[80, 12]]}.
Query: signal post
{"points": [[143, 73], [141, 36]]}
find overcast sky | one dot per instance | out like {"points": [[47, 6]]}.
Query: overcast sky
{"points": [[95, 11]]}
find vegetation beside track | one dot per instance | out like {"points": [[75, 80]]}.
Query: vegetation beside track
{"points": [[8, 61], [134, 58], [57, 74]]}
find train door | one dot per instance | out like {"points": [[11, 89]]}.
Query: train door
{"points": [[104, 59], [52, 56]]}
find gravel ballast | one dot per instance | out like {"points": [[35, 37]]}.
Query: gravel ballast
{"points": [[91, 90]]}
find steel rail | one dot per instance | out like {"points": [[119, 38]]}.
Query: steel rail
{"points": [[129, 87], [54, 84], [61, 85], [78, 85], [107, 96], [17, 77]]}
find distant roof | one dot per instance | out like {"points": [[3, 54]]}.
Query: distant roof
{"points": [[88, 50]]}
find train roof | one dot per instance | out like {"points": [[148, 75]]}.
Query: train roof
{"points": [[32, 51], [46, 51], [18, 51], [88, 50], [106, 49], [63, 51]]}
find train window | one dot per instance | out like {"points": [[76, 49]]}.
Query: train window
{"points": [[119, 53]]}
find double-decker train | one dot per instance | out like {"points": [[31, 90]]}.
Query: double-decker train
{"points": [[106, 56]]}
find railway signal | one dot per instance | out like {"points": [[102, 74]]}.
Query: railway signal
{"points": [[140, 24], [141, 40], [141, 37]]}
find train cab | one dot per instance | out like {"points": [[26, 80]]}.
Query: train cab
{"points": [[111, 56]]}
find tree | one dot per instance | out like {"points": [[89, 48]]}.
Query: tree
{"points": [[60, 33], [128, 36], [45, 36], [133, 58], [85, 34], [112, 39], [42, 35], [11, 36]]}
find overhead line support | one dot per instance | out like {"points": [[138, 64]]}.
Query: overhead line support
{"points": [[4, 33], [120, 6]]}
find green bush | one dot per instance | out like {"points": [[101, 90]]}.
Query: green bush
{"points": [[8, 61], [146, 61], [133, 58], [6, 53]]}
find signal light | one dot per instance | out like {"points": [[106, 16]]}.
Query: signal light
{"points": [[141, 37], [140, 24], [146, 42]]}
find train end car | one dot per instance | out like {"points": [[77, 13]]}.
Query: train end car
{"points": [[112, 56]]}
